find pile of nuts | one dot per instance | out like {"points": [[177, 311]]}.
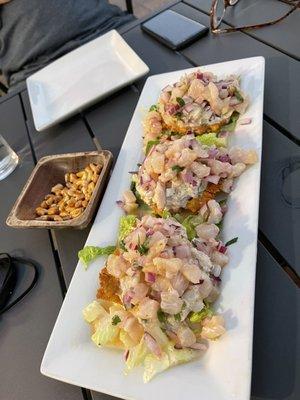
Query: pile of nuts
{"points": [[68, 202]]}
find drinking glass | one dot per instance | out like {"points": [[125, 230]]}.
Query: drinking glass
{"points": [[8, 159]]}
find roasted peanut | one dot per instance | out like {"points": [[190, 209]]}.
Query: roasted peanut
{"points": [[69, 201], [57, 188], [41, 211]]}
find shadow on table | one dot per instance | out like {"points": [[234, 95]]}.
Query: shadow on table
{"points": [[275, 331]]}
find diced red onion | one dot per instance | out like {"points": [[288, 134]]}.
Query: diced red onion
{"points": [[224, 158], [152, 344], [199, 75], [150, 277], [245, 121], [120, 203], [188, 177], [221, 248], [212, 153], [149, 232], [198, 346], [127, 299], [172, 108], [212, 178]]}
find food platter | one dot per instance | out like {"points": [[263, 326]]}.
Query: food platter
{"points": [[224, 371]]}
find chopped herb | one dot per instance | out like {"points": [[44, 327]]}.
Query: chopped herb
{"points": [[232, 241], [142, 248], [135, 192], [220, 224], [177, 168], [122, 245], [200, 315], [166, 214], [161, 316], [115, 320], [153, 108], [238, 95], [223, 202], [177, 317], [150, 144], [180, 101], [178, 115]]}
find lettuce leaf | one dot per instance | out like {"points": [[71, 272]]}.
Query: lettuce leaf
{"points": [[211, 139], [93, 311], [126, 225], [89, 253], [170, 358], [106, 333], [136, 356]]}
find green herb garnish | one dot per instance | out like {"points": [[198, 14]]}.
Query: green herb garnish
{"points": [[166, 214], [238, 95], [232, 241], [177, 317], [153, 108], [177, 168], [161, 316], [180, 101], [115, 320], [150, 144]]}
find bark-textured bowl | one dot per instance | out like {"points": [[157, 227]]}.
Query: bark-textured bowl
{"points": [[49, 171]]}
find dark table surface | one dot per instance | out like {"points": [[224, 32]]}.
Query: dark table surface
{"points": [[25, 329]]}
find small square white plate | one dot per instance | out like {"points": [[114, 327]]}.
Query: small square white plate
{"points": [[81, 77], [224, 372]]}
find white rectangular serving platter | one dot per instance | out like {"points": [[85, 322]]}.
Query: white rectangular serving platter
{"points": [[81, 77], [224, 372]]}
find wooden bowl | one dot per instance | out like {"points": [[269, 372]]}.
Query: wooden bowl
{"points": [[49, 171]]}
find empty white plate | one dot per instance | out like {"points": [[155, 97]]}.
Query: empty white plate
{"points": [[81, 77]]}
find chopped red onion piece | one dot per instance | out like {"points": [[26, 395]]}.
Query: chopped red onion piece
{"points": [[150, 277], [199, 75], [221, 248], [152, 344], [120, 203], [245, 121], [212, 153], [224, 158], [127, 299]]}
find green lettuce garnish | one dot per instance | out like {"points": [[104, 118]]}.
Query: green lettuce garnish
{"points": [[126, 225], [89, 253], [211, 139], [169, 358], [153, 108]]}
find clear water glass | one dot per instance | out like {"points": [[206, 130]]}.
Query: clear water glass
{"points": [[8, 159]]}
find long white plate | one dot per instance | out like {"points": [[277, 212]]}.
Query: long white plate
{"points": [[81, 77], [224, 372]]}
